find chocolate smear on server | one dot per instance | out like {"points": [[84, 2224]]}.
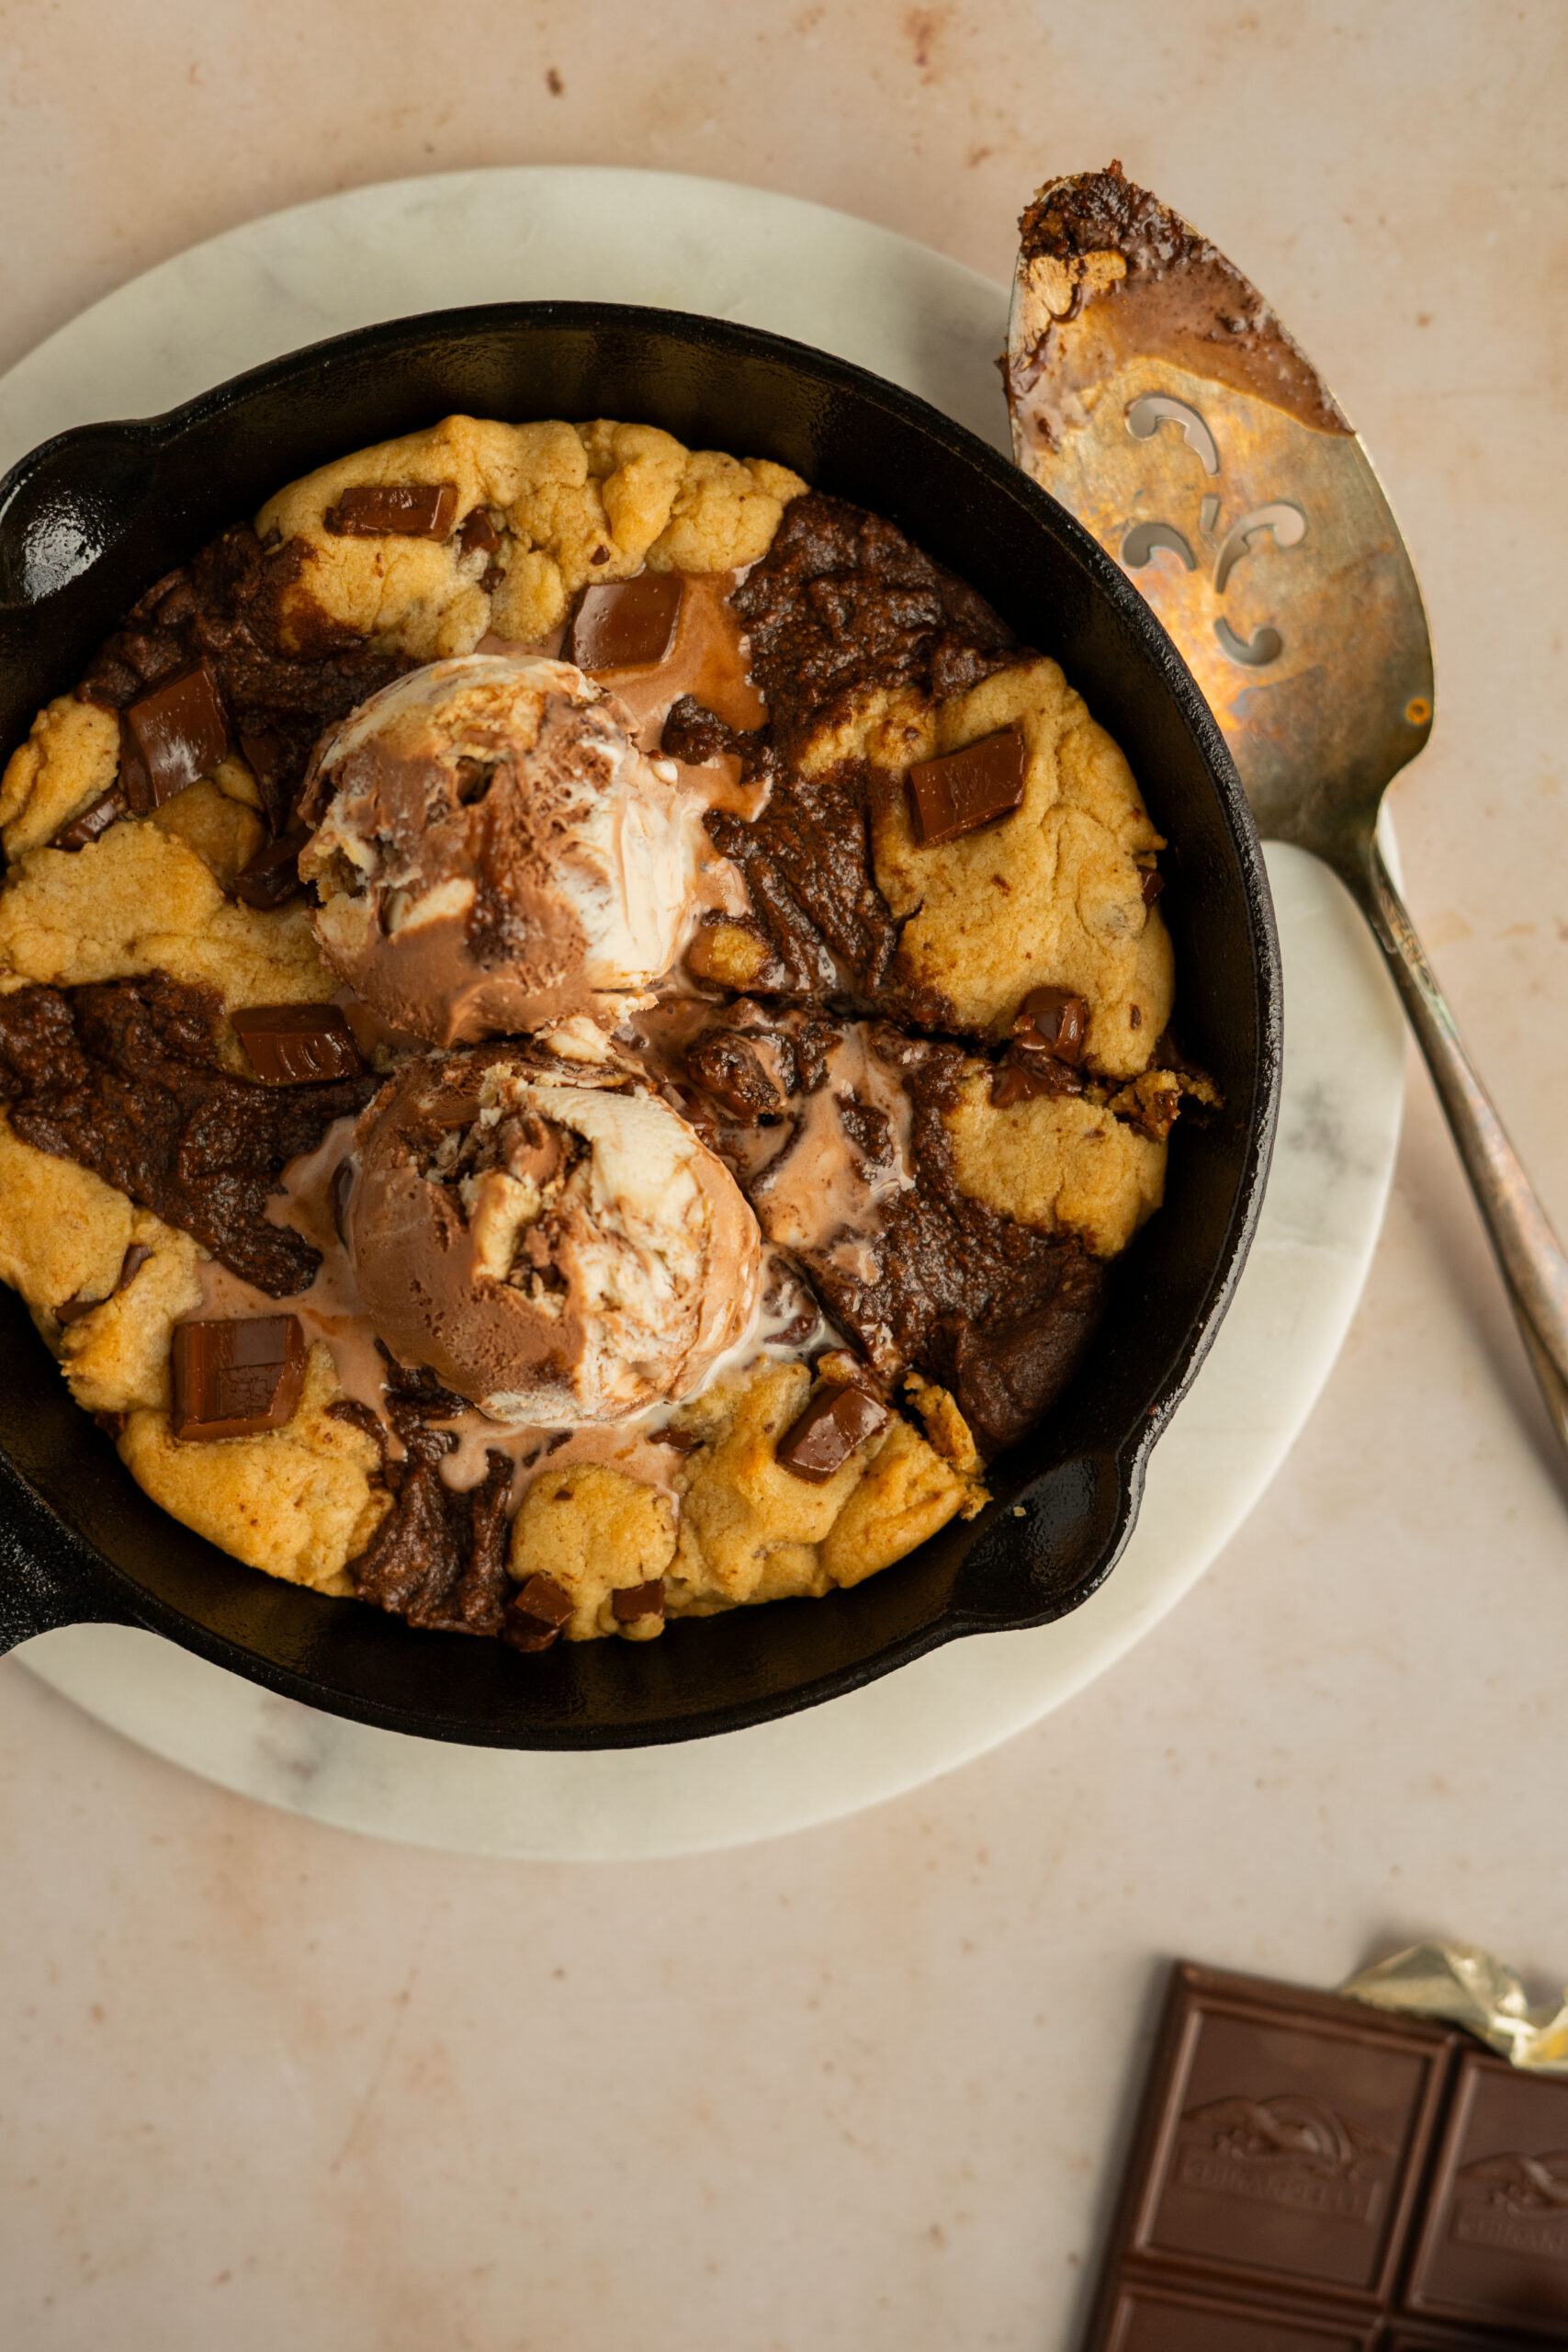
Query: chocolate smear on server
{"points": [[235, 1377], [439, 1558], [95, 819], [834, 1423], [123, 1077], [625, 624], [171, 737], [298, 1044], [537, 1615], [999, 1314], [958, 794], [224, 607], [399, 510], [842, 604], [1179, 296]]}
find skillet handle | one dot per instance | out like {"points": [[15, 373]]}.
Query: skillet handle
{"points": [[63, 507], [1534, 1268], [45, 1578]]}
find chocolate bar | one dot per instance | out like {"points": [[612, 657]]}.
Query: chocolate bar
{"points": [[625, 624], [298, 1044], [968, 789], [400, 510], [171, 737], [1312, 2175]]}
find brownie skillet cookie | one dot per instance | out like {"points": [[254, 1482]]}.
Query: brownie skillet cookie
{"points": [[578, 1026]]}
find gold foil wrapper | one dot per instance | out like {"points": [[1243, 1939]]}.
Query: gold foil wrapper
{"points": [[1465, 1987]]}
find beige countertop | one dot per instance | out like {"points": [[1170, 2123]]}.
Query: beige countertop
{"points": [[269, 2082]]}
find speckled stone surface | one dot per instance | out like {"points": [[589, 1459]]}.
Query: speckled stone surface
{"points": [[866, 2086]]}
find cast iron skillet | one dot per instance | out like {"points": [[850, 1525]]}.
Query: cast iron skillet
{"points": [[90, 519]]}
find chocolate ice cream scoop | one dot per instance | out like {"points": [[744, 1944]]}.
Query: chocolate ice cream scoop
{"points": [[493, 851], [556, 1245]]}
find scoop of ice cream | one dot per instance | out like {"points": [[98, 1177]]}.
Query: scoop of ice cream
{"points": [[496, 852], [555, 1245]]}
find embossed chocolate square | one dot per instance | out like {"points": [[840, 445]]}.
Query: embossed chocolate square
{"points": [[1281, 2149], [1165, 2319], [1495, 2243]]}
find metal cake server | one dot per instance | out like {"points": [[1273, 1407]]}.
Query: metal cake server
{"points": [[1157, 396]]}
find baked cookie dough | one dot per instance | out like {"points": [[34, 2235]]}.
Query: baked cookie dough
{"points": [[906, 1005]]}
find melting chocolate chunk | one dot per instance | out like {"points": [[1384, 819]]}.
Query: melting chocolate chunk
{"points": [[399, 510], [123, 1077], [298, 1044], [234, 1377], [71, 1310], [625, 624], [639, 1600], [968, 789], [1007, 1375], [479, 534], [1052, 1021], [171, 737], [227, 605], [728, 1069], [538, 1613], [1025, 1078], [341, 1187], [272, 878], [833, 1424], [267, 756], [95, 818], [1152, 884]]}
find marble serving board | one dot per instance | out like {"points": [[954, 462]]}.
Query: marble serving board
{"points": [[926, 323]]}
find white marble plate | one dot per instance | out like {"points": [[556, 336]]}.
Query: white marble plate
{"points": [[926, 323]]}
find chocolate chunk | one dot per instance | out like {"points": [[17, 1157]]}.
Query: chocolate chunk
{"points": [[725, 1067], [272, 878], [968, 789], [235, 1377], [625, 624], [479, 534], [298, 1044], [123, 1077], [95, 818], [537, 1615], [399, 510], [71, 1310], [1052, 1021], [267, 756], [172, 737], [1152, 884], [639, 1600], [1283, 2193], [833, 1424]]}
